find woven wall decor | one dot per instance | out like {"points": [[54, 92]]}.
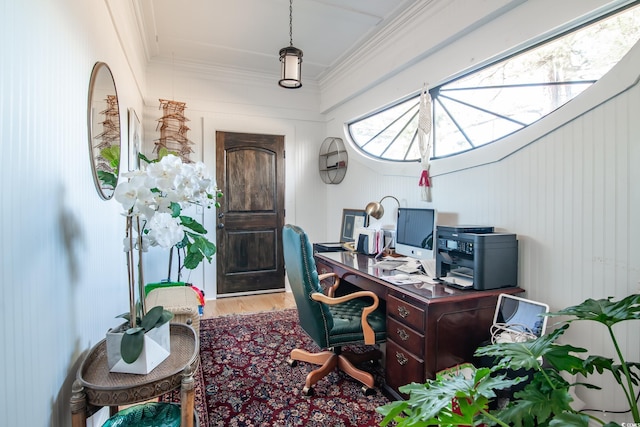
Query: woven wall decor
{"points": [[110, 134], [173, 130]]}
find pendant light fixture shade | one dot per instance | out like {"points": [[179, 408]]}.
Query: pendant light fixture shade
{"points": [[291, 60]]}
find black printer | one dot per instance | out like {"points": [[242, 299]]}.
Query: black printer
{"points": [[476, 257]]}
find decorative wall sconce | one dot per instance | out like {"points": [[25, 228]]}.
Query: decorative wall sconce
{"points": [[291, 60]]}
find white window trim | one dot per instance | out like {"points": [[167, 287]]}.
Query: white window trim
{"points": [[620, 78]]}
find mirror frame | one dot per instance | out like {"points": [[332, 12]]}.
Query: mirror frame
{"points": [[104, 103]]}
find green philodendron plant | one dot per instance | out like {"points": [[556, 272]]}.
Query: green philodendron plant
{"points": [[133, 337], [457, 399]]}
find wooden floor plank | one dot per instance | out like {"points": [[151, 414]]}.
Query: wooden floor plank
{"points": [[248, 304]]}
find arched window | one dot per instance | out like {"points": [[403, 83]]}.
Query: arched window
{"points": [[505, 96]]}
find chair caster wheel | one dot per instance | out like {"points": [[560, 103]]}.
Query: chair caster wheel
{"points": [[292, 363], [307, 391], [368, 391]]}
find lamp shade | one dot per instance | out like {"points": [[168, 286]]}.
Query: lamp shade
{"points": [[376, 210], [291, 62]]}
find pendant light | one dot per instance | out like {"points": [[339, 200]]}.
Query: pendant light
{"points": [[291, 60]]}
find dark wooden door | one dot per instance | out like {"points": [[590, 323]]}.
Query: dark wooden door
{"points": [[250, 172]]}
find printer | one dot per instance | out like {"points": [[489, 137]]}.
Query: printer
{"points": [[476, 257]]}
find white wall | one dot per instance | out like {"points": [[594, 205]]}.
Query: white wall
{"points": [[62, 268]]}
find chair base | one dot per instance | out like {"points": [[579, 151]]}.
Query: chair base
{"points": [[329, 360]]}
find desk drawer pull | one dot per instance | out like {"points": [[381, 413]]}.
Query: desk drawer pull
{"points": [[403, 312], [401, 358], [402, 334]]}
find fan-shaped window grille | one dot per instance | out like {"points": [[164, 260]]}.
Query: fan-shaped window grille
{"points": [[503, 97]]}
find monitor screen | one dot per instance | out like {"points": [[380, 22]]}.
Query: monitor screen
{"points": [[415, 231]]}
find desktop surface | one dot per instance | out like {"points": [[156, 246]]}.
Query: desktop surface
{"points": [[417, 284]]}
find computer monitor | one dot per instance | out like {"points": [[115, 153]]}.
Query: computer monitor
{"points": [[415, 231]]}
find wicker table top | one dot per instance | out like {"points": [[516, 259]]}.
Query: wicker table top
{"points": [[104, 388]]}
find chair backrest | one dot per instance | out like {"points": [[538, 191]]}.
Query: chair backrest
{"points": [[315, 318]]}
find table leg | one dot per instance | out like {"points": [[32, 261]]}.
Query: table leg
{"points": [[78, 403], [187, 397]]}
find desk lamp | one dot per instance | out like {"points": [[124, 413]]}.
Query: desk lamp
{"points": [[375, 209]]}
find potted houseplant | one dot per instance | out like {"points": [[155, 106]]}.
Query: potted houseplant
{"points": [[153, 199], [453, 399]]}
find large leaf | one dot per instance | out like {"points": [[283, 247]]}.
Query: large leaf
{"points": [[193, 259], [133, 338], [203, 245], [112, 155], [604, 311], [175, 209], [153, 318], [529, 354], [107, 178], [537, 402], [192, 224], [569, 420], [198, 250], [131, 344], [432, 403]]}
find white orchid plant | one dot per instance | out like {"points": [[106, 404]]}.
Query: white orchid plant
{"points": [[153, 199]]}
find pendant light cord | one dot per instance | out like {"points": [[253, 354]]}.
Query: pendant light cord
{"points": [[290, 22]]}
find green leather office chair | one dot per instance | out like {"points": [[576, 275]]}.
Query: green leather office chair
{"points": [[332, 322]]}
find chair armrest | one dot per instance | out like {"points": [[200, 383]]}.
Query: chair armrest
{"points": [[367, 330], [331, 290]]}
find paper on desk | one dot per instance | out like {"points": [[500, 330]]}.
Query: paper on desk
{"points": [[395, 281], [388, 264], [459, 280]]}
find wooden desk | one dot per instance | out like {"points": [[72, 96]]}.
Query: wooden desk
{"points": [[429, 327], [96, 387]]}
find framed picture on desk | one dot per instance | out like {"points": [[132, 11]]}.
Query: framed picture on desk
{"points": [[351, 219]]}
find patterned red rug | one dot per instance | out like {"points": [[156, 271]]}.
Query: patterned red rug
{"points": [[244, 379]]}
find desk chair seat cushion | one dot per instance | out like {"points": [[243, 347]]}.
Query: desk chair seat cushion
{"points": [[347, 328]]}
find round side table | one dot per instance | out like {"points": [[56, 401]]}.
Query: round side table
{"points": [[96, 387]]}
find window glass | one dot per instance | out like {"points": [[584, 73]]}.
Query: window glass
{"points": [[504, 97]]}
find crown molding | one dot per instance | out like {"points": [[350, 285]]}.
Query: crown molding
{"points": [[419, 31]]}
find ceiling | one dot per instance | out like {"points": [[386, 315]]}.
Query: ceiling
{"points": [[246, 35]]}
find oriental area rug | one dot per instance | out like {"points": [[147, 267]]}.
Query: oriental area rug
{"points": [[244, 379]]}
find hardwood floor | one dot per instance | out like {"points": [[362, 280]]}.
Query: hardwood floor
{"points": [[248, 304]]}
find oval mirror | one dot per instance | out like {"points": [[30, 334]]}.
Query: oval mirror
{"points": [[103, 117]]}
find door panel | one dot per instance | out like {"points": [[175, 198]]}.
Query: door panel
{"points": [[250, 172]]}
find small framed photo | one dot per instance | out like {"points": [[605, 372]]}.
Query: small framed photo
{"points": [[351, 219], [135, 140]]}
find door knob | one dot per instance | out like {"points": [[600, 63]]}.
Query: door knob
{"points": [[220, 226]]}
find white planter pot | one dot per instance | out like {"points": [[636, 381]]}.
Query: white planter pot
{"points": [[156, 349]]}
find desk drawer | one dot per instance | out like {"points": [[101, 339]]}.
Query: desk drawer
{"points": [[405, 336], [406, 313], [323, 268], [402, 367]]}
